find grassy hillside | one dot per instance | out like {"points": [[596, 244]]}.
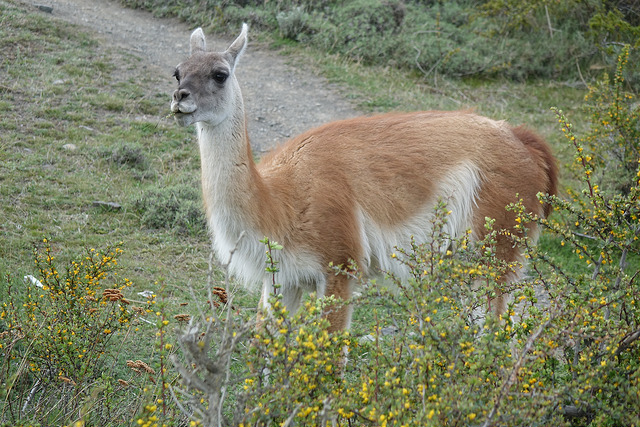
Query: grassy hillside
{"points": [[561, 40], [88, 159], [74, 133]]}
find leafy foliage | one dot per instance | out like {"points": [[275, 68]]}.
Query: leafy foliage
{"points": [[515, 39], [614, 140], [176, 207], [59, 333], [567, 354]]}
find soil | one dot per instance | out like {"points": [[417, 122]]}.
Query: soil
{"points": [[281, 100]]}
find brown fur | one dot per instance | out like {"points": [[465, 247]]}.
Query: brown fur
{"points": [[540, 149]]}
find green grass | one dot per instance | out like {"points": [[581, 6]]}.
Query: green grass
{"points": [[454, 38], [62, 87], [57, 94]]}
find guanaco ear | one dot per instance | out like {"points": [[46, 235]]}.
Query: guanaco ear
{"points": [[235, 51], [197, 41]]}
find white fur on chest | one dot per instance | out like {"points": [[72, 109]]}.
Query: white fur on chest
{"points": [[249, 260]]}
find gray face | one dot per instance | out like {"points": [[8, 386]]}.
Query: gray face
{"points": [[204, 91], [207, 89]]}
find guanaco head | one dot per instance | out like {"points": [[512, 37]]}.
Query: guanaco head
{"points": [[207, 87]]}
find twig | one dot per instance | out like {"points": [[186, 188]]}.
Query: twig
{"points": [[622, 264], [546, 11], [180, 406], [145, 320], [514, 372], [627, 341], [586, 236], [30, 396], [575, 412], [289, 421], [210, 375], [325, 413], [580, 74]]}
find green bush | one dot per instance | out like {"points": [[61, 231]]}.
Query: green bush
{"points": [[62, 331], [614, 140], [130, 155], [567, 354], [547, 39], [177, 207]]}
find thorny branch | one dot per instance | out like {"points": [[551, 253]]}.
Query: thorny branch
{"points": [[513, 376], [210, 375]]}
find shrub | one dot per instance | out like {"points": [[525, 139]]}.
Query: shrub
{"points": [[614, 140], [60, 333], [294, 24], [567, 353], [177, 207], [519, 40], [128, 155]]}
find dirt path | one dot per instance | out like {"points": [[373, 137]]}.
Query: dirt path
{"points": [[281, 100]]}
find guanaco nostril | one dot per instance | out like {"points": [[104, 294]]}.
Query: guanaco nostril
{"points": [[181, 94]]}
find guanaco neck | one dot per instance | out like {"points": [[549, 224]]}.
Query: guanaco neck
{"points": [[233, 190]]}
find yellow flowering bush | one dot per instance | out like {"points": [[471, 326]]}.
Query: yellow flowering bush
{"points": [[423, 352], [613, 142], [296, 354], [567, 353], [60, 328]]}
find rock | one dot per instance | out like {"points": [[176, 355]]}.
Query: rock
{"points": [[387, 330], [45, 8], [108, 205], [31, 279], [90, 129], [146, 294]]}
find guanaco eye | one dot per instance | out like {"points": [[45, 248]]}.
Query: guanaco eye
{"points": [[176, 74], [219, 76]]}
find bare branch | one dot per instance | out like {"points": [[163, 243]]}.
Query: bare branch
{"points": [[210, 374], [627, 341], [289, 421], [514, 372]]}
